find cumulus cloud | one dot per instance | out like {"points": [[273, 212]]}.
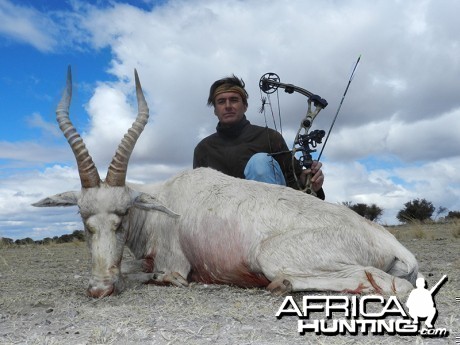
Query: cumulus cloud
{"points": [[178, 58], [399, 121]]}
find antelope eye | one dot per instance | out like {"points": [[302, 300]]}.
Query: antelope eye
{"points": [[90, 229]]}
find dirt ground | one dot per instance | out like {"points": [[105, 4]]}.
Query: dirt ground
{"points": [[42, 301]]}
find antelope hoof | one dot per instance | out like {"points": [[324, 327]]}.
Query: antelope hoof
{"points": [[172, 278], [280, 287]]}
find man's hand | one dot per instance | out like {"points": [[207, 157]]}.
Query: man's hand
{"points": [[317, 178]]}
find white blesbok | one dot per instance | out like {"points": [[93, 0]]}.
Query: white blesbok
{"points": [[204, 226]]}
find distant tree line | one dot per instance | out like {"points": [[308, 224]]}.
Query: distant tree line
{"points": [[420, 210], [77, 235]]}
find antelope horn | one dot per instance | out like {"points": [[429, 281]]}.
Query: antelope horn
{"points": [[116, 174], [87, 170]]}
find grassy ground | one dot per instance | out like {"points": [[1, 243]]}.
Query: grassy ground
{"points": [[42, 301]]}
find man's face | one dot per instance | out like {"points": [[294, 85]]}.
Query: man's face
{"points": [[229, 108]]}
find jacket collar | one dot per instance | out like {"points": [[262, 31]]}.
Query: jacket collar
{"points": [[233, 131]]}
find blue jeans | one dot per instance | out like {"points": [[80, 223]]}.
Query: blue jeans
{"points": [[264, 168]]}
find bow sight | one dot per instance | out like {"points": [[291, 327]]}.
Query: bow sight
{"points": [[305, 143], [308, 143]]}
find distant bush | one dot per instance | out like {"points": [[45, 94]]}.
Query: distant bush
{"points": [[47, 240], [416, 210], [5, 241], [453, 215], [371, 212], [26, 240], [79, 235], [65, 239]]}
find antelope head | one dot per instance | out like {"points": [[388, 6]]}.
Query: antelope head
{"points": [[103, 204]]}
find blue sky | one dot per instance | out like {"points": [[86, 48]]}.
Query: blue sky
{"points": [[396, 138]]}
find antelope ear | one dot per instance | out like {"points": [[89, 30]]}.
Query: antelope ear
{"points": [[148, 202], [63, 199]]}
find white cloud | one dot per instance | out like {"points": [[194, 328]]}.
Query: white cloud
{"points": [[27, 25], [426, 139], [391, 187], [180, 49], [28, 152], [36, 120], [111, 116], [19, 219], [403, 102]]}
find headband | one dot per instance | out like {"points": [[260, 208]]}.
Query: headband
{"points": [[231, 88]]}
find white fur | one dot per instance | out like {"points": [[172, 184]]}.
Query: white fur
{"points": [[280, 232], [228, 230]]}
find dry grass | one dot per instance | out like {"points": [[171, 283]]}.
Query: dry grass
{"points": [[455, 229], [430, 231], [42, 301]]}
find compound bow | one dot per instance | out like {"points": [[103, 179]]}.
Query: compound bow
{"points": [[305, 141]]}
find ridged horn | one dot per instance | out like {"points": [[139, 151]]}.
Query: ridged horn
{"points": [[116, 174], [87, 170]]}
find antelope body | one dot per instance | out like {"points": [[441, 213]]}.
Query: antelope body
{"points": [[204, 226]]}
